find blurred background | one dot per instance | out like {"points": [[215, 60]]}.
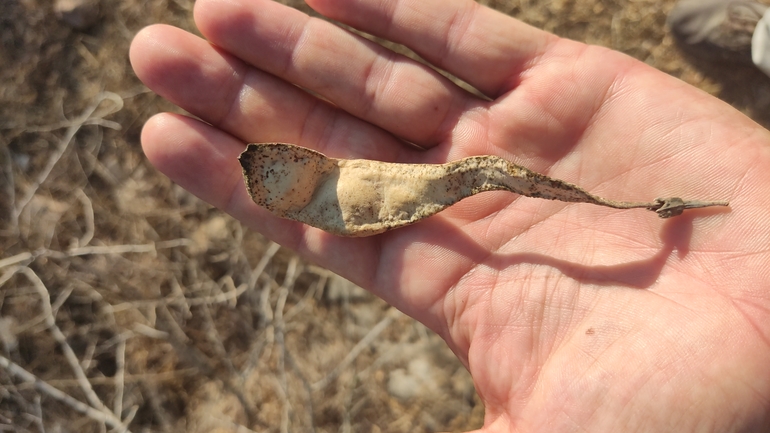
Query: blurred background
{"points": [[126, 304]]}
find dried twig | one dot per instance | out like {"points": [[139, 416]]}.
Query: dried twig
{"points": [[105, 417], [178, 294], [28, 256], [309, 293], [219, 298], [69, 354], [18, 258], [150, 392], [149, 331], [89, 115], [164, 376], [10, 181], [214, 338], [96, 405], [131, 414], [362, 198], [88, 353], [280, 329], [256, 273], [265, 315], [39, 414], [123, 249], [120, 376], [264, 311], [88, 215], [370, 336], [308, 404]]}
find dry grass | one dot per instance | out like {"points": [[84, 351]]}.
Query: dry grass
{"points": [[127, 303]]}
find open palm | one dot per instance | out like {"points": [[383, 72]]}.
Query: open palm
{"points": [[569, 316]]}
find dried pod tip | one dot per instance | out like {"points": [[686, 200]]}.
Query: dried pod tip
{"points": [[674, 206]]}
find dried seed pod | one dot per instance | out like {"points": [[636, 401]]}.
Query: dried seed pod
{"points": [[360, 197]]}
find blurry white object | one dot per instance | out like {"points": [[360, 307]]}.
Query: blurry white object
{"points": [[760, 44]]}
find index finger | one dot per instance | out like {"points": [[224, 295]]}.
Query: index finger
{"points": [[485, 48], [364, 79]]}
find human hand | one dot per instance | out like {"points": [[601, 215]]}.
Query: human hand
{"points": [[568, 316]]}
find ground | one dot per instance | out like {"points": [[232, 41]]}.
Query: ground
{"points": [[141, 303]]}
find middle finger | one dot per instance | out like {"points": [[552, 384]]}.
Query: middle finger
{"points": [[389, 90]]}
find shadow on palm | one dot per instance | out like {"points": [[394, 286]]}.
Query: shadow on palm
{"points": [[441, 234]]}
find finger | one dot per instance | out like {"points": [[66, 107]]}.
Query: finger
{"points": [[250, 104], [484, 47], [204, 160], [400, 95]]}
